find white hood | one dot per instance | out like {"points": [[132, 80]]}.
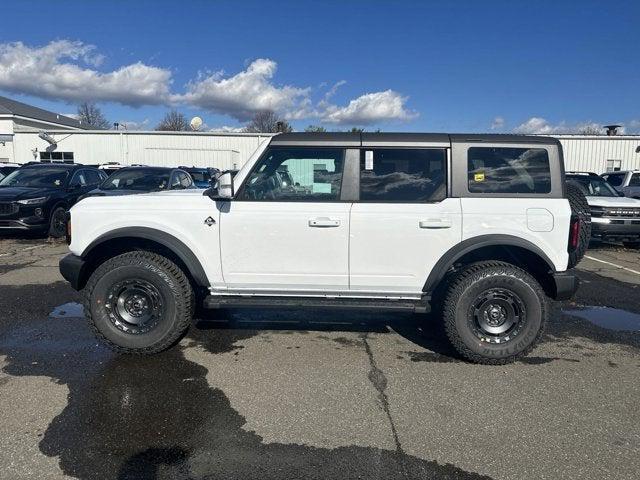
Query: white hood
{"points": [[621, 202]]}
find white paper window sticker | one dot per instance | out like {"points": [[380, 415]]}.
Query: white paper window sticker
{"points": [[368, 160]]}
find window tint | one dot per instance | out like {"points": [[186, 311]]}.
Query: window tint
{"points": [[296, 174], [79, 179], [402, 175], [508, 170], [635, 180], [93, 177], [615, 179], [180, 180]]}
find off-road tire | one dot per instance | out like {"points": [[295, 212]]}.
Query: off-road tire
{"points": [[470, 284], [579, 208], [58, 223], [171, 283]]}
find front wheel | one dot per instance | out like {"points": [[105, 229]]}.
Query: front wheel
{"points": [[139, 302], [58, 223], [494, 312]]}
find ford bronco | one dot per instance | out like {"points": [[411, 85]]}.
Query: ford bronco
{"points": [[479, 229]]}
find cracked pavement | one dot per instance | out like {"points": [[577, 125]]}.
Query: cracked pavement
{"points": [[274, 395]]}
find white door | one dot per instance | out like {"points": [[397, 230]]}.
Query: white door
{"points": [[287, 229], [403, 223]]}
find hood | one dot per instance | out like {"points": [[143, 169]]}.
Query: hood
{"points": [[177, 193], [11, 194], [112, 193], [613, 202]]}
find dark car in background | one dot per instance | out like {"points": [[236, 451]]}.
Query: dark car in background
{"points": [[133, 180], [36, 197], [201, 175]]}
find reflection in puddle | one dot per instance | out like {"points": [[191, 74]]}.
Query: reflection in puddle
{"points": [[607, 317], [67, 310]]}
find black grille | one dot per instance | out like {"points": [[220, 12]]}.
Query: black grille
{"points": [[8, 208]]}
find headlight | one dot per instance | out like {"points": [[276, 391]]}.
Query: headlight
{"points": [[33, 201]]}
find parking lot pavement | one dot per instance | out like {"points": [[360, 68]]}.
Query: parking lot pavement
{"points": [[256, 395]]}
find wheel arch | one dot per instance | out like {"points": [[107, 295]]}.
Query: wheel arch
{"points": [[514, 250], [127, 239]]}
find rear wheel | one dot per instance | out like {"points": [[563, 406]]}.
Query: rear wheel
{"points": [[494, 312], [139, 302], [580, 209]]}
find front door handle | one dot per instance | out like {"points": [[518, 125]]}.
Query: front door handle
{"points": [[323, 222], [433, 223]]}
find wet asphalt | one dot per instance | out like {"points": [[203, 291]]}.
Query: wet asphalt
{"points": [[280, 395]]}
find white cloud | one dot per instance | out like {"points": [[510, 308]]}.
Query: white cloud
{"points": [[70, 71], [497, 123], [538, 125], [134, 125], [369, 109], [65, 70], [227, 129], [245, 93]]}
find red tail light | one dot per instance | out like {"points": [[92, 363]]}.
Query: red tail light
{"points": [[574, 233]]}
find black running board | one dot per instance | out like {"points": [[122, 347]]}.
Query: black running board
{"points": [[228, 301]]}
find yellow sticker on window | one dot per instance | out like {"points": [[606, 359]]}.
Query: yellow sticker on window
{"points": [[478, 177]]}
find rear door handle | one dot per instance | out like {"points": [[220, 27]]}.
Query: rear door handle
{"points": [[433, 223], [323, 222]]}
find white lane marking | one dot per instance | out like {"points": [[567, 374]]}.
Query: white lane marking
{"points": [[612, 264]]}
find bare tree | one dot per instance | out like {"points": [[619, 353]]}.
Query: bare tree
{"points": [[268, 122], [173, 121], [315, 129], [89, 114]]}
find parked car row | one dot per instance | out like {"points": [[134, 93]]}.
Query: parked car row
{"points": [[36, 197]]}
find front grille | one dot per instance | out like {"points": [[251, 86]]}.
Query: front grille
{"points": [[631, 212], [8, 208]]}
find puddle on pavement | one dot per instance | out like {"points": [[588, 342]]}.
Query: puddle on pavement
{"points": [[607, 317], [68, 310]]}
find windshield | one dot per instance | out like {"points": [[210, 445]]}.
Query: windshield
{"points": [[594, 186], [141, 180], [200, 177], [41, 177]]}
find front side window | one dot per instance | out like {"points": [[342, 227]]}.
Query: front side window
{"points": [[592, 186], [296, 174], [508, 170], [403, 175], [635, 180]]}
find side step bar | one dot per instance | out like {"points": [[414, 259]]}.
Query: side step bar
{"points": [[224, 301]]}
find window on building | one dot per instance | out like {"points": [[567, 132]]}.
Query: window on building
{"points": [[403, 175], [614, 165], [65, 157], [508, 170], [297, 175]]}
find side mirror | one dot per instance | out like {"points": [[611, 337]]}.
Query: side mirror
{"points": [[221, 187]]}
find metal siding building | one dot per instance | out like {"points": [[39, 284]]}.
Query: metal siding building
{"points": [[600, 153], [221, 150]]}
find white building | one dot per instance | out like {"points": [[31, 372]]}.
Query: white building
{"points": [[67, 140]]}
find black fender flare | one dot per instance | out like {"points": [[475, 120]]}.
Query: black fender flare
{"points": [[469, 245], [165, 239]]}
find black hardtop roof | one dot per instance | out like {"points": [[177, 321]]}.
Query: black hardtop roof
{"points": [[400, 138]]}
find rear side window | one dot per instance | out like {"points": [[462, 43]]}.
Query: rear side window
{"points": [[508, 170], [403, 175], [615, 179]]}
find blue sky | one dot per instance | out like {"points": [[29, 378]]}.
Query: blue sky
{"points": [[403, 66]]}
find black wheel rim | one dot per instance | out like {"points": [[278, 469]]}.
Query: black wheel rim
{"points": [[58, 222], [134, 306], [497, 316]]}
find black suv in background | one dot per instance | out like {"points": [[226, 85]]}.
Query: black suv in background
{"points": [[36, 197], [132, 180]]}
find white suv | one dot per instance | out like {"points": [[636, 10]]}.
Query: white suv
{"points": [[478, 227]]}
